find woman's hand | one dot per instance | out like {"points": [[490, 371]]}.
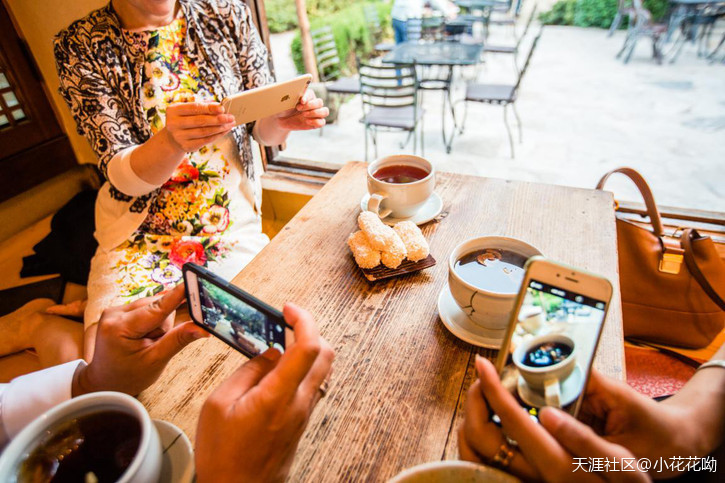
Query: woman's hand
{"points": [[310, 113], [250, 426], [546, 451], [191, 125]]}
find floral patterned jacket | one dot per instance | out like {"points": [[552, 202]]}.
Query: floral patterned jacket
{"points": [[100, 66]]}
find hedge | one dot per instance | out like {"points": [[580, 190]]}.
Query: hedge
{"points": [[594, 13], [351, 34]]}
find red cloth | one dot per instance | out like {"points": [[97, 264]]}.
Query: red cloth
{"points": [[655, 374]]}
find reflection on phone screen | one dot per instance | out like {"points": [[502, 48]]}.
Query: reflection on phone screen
{"points": [[237, 322], [552, 347]]}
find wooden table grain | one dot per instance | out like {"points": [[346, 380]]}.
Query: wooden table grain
{"points": [[400, 377]]}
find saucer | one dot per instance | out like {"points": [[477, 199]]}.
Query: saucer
{"points": [[570, 389], [178, 455], [432, 208], [460, 325]]}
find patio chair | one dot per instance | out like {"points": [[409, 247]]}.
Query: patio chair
{"points": [[375, 28], [696, 26], [414, 30], [624, 9], [501, 94], [328, 66], [390, 102], [512, 49], [641, 25], [508, 19]]}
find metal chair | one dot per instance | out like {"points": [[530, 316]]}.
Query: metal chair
{"points": [[328, 66], [501, 94], [641, 25], [414, 30], [624, 9], [375, 28], [512, 49], [390, 101]]}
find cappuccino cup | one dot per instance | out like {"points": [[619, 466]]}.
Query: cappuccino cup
{"points": [[544, 372], [399, 185]]}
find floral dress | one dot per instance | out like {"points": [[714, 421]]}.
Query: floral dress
{"points": [[203, 214]]}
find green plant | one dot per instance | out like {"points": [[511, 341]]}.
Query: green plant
{"points": [[281, 15], [595, 13], [561, 13], [350, 30]]}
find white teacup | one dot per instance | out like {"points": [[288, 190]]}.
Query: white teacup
{"points": [[399, 200], [146, 464], [490, 310], [546, 379]]}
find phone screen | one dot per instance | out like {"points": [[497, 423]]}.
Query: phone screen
{"points": [[552, 347], [237, 322]]}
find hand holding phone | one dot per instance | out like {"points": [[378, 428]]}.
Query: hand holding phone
{"points": [[553, 334], [232, 315]]}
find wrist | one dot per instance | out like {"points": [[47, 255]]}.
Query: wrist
{"points": [[81, 384], [173, 148]]}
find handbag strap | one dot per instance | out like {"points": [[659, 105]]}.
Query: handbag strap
{"points": [[645, 191], [687, 236], [663, 350]]}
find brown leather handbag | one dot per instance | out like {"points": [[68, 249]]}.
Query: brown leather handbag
{"points": [[673, 290]]}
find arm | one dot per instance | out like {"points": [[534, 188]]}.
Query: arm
{"points": [[103, 119], [27, 397], [309, 113]]}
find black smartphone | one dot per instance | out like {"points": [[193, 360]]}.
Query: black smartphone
{"points": [[552, 335], [232, 315]]}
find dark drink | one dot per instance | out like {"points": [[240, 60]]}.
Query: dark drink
{"points": [[547, 354], [103, 443], [492, 269], [400, 173]]}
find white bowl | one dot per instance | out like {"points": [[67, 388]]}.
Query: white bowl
{"points": [[536, 377], [452, 472], [146, 465], [490, 310]]}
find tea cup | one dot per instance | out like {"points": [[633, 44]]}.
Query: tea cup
{"points": [[401, 199], [146, 464], [487, 309], [546, 379]]}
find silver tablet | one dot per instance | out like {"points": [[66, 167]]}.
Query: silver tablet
{"points": [[266, 101]]}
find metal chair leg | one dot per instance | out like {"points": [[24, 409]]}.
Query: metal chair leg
{"points": [[375, 141], [631, 50], [518, 122], [615, 23], [465, 116], [627, 40], [508, 130], [366, 143]]}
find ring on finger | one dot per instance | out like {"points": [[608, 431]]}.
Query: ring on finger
{"points": [[324, 388], [504, 455]]}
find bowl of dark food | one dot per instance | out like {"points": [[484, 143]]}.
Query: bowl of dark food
{"points": [[485, 274], [546, 361], [100, 437]]}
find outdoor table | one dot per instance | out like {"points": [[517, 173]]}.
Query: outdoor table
{"points": [[400, 378], [444, 54]]}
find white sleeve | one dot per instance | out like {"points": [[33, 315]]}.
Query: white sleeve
{"points": [[27, 397], [122, 176]]}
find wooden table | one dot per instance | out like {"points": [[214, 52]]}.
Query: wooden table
{"points": [[400, 377]]}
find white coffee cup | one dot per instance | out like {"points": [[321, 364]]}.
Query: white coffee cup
{"points": [[146, 464], [490, 310], [547, 379], [399, 200]]}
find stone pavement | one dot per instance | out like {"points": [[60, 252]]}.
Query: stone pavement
{"points": [[583, 113]]}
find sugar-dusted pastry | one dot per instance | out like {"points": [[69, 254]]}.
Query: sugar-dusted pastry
{"points": [[416, 245], [380, 235], [365, 255], [392, 259]]}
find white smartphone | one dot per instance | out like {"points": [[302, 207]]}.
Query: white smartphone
{"points": [[552, 335], [232, 315], [266, 101]]}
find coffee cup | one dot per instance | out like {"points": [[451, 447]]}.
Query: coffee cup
{"points": [[547, 375], [485, 306], [144, 466], [399, 185]]}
